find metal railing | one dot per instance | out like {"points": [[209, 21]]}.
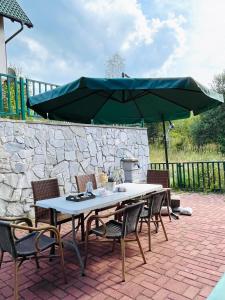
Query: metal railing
{"points": [[205, 176], [14, 92]]}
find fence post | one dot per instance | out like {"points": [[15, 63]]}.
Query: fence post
{"points": [[22, 100], [179, 175], [1, 96]]}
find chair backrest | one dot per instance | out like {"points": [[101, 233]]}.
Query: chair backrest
{"points": [[131, 217], [82, 180], [44, 189], [6, 239], [158, 177], [155, 201]]}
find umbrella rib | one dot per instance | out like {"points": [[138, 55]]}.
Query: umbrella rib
{"points": [[138, 108], [66, 104], [169, 100], [106, 100], [137, 96], [163, 97]]}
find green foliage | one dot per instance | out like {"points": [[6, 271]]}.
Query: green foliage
{"points": [[153, 131], [209, 152], [210, 126]]}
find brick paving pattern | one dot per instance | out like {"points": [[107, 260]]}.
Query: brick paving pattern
{"points": [[188, 266]]}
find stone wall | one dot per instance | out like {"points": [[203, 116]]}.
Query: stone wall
{"points": [[33, 151]]}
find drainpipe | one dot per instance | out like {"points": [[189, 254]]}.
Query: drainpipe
{"points": [[17, 32]]}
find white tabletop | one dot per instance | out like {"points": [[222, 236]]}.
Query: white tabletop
{"points": [[76, 208]]}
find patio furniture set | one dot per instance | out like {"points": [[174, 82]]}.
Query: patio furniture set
{"points": [[137, 204]]}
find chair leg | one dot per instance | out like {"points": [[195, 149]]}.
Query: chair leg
{"points": [[139, 245], [62, 260], [96, 221], [168, 200], [86, 248], [149, 235], [163, 227], [168, 210], [122, 242], [37, 262], [59, 228], [157, 223], [16, 269], [1, 258], [113, 245], [140, 229]]}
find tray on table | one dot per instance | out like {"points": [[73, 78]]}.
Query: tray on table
{"points": [[80, 197]]}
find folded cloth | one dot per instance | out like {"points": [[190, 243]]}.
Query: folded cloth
{"points": [[185, 211]]}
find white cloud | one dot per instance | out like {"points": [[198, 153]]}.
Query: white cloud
{"points": [[38, 62], [174, 23], [38, 50], [205, 47], [122, 26], [159, 38]]}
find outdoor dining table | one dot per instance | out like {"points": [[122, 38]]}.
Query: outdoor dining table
{"points": [[60, 204]]}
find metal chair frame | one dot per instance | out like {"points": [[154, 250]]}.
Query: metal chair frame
{"points": [[19, 258], [153, 210], [125, 224]]}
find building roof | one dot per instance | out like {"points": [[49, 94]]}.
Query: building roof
{"points": [[12, 10]]}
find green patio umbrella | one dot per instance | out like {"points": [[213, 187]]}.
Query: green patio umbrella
{"points": [[125, 100]]}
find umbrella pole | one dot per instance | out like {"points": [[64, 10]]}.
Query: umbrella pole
{"points": [[165, 145], [167, 161]]}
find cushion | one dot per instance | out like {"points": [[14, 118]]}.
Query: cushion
{"points": [[186, 211]]}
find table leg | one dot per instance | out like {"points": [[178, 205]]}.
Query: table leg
{"points": [[53, 221], [82, 228], [74, 242]]}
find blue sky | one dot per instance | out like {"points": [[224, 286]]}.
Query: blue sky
{"points": [[156, 38]]}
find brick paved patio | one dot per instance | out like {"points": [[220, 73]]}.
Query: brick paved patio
{"points": [[188, 266]]}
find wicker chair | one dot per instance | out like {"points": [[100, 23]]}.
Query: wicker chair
{"points": [[46, 189], [115, 230], [82, 180], [161, 177], [152, 213], [27, 247]]}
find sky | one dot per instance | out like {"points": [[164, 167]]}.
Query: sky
{"points": [[156, 38]]}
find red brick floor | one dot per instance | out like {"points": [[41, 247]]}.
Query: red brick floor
{"points": [[188, 266]]}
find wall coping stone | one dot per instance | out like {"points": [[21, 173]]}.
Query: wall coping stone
{"points": [[63, 123]]}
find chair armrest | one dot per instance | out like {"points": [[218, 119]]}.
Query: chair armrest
{"points": [[30, 228], [41, 231], [118, 211], [50, 229], [18, 220], [89, 222]]}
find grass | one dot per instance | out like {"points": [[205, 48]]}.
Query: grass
{"points": [[207, 153]]}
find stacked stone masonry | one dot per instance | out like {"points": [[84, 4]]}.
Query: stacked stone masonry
{"points": [[33, 151]]}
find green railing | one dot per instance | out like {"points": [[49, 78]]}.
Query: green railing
{"points": [[206, 176], [14, 92]]}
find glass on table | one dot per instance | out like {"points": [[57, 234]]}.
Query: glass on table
{"points": [[89, 187]]}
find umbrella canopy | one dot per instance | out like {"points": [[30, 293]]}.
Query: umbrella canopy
{"points": [[125, 100]]}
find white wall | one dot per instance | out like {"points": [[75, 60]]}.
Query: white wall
{"points": [[3, 67]]}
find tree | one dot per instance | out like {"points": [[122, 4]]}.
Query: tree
{"points": [[210, 127], [115, 66]]}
